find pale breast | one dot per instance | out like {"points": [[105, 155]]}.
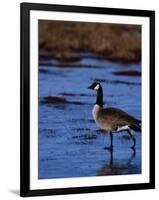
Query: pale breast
{"points": [[95, 112], [96, 115]]}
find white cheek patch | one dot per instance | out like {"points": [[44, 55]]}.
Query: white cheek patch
{"points": [[96, 87], [123, 128]]}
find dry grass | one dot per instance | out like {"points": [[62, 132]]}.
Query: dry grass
{"points": [[115, 42]]}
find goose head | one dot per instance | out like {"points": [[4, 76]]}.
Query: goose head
{"points": [[98, 88], [95, 86]]}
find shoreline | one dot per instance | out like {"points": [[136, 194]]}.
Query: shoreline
{"points": [[77, 55]]}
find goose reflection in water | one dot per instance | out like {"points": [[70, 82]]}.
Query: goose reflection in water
{"points": [[122, 165]]}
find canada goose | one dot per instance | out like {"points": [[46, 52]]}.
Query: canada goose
{"points": [[113, 119]]}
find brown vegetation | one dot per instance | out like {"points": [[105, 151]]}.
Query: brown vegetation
{"points": [[115, 42]]}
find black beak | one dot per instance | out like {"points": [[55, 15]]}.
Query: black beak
{"points": [[90, 87]]}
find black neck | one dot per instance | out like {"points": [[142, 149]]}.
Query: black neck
{"points": [[99, 99]]}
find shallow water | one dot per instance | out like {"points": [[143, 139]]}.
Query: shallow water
{"points": [[70, 144]]}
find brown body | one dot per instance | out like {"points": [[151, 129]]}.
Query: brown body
{"points": [[114, 119]]}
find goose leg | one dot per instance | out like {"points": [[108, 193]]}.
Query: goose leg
{"points": [[133, 138], [111, 142]]}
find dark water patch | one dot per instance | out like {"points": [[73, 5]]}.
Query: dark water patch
{"points": [[47, 71], [44, 71], [82, 120], [84, 142], [128, 73], [83, 129], [84, 134], [125, 82], [85, 137], [91, 120], [51, 135], [126, 137], [117, 82], [48, 159], [101, 80], [100, 131], [73, 94], [55, 99], [67, 94], [76, 102], [48, 132], [60, 100], [70, 65]]}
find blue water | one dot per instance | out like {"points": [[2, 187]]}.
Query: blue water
{"points": [[70, 144]]}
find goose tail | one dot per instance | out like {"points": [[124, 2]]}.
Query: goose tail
{"points": [[136, 126]]}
